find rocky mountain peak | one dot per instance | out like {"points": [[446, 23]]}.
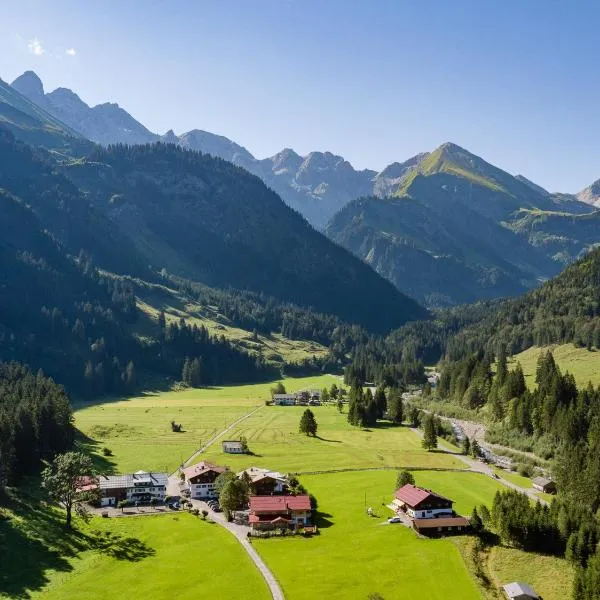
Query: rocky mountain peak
{"points": [[30, 85]]}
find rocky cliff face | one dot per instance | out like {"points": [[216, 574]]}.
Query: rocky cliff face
{"points": [[591, 194]]}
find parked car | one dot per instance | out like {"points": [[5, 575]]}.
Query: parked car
{"points": [[394, 520]]}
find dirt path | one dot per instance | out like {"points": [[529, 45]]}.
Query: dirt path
{"points": [[215, 437]]}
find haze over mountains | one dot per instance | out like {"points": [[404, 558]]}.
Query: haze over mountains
{"points": [[445, 227]]}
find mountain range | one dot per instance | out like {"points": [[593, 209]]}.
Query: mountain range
{"points": [[445, 227], [316, 185]]}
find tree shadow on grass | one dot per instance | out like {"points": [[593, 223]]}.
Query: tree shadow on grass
{"points": [[33, 540], [322, 520], [318, 437], [119, 547], [103, 464]]}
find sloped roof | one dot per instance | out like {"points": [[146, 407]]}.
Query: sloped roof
{"points": [[275, 504], [257, 473], [517, 588], [413, 495], [201, 468], [542, 481], [126, 481]]}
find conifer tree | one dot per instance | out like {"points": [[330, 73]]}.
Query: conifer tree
{"points": [[308, 423], [429, 433]]}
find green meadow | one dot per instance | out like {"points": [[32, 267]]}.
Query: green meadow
{"points": [[137, 430], [180, 555], [356, 555], [583, 364]]}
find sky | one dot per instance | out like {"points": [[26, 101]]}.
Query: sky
{"points": [[514, 81]]}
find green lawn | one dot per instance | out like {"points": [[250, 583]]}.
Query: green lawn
{"points": [[580, 362], [356, 555], [138, 431], [272, 435], [159, 556], [188, 558]]}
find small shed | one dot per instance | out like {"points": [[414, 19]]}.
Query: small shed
{"points": [[543, 484], [520, 591], [233, 446]]}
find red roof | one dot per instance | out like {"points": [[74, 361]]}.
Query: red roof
{"points": [[200, 468], [413, 496], [278, 504]]}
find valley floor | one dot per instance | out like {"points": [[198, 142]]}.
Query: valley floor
{"points": [[180, 555]]}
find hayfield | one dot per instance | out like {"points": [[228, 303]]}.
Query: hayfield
{"points": [[583, 364], [138, 430]]}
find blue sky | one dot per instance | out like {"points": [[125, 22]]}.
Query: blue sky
{"points": [[515, 81]]}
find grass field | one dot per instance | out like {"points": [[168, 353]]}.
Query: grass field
{"points": [[353, 556], [583, 364], [550, 577], [184, 556], [138, 432], [272, 435], [356, 555], [163, 556]]}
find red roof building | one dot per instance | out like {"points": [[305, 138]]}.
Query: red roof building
{"points": [[269, 512], [420, 503]]}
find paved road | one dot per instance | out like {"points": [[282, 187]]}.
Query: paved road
{"points": [[480, 467], [240, 532]]}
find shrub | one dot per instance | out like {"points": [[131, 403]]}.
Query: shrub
{"points": [[107, 451]]}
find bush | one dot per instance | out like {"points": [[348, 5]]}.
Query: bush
{"points": [[107, 451], [204, 514]]}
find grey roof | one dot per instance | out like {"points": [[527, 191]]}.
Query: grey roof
{"points": [[127, 481], [518, 588], [542, 481]]}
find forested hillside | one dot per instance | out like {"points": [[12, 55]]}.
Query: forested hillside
{"points": [[460, 229], [206, 220]]}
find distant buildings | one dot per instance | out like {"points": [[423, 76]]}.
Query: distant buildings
{"points": [[301, 398], [519, 591], [141, 487], [542, 484], [233, 447], [284, 399]]}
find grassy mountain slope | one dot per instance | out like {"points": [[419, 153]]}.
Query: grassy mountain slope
{"points": [[455, 231]]}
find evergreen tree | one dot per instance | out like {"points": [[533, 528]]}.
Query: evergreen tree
{"points": [[380, 402], [308, 423], [395, 407], [403, 478], [466, 446], [429, 433]]}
